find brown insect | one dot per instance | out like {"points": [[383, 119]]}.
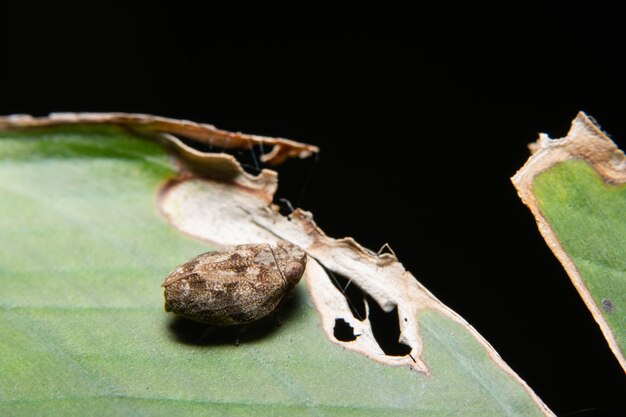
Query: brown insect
{"points": [[234, 286]]}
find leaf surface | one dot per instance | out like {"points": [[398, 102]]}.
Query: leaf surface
{"points": [[576, 188], [83, 252]]}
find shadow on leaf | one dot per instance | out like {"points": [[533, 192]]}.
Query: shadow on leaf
{"points": [[189, 332]]}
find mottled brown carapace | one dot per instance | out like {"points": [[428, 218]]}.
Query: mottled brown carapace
{"points": [[234, 286]]}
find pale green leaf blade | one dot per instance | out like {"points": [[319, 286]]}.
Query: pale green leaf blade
{"points": [[576, 187], [83, 251]]}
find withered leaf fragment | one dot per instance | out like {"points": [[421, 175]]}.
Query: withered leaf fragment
{"points": [[235, 286]]}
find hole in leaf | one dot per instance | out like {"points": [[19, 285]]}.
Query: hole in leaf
{"points": [[354, 295], [343, 331], [386, 329], [385, 326]]}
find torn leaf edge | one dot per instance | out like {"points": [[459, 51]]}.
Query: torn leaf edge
{"points": [[584, 141], [282, 149]]}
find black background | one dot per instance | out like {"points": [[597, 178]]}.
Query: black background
{"points": [[422, 116]]}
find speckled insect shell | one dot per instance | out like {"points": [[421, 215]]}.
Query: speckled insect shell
{"points": [[235, 286]]}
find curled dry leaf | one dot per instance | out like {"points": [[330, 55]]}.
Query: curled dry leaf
{"points": [[569, 237]]}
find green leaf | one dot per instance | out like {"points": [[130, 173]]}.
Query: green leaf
{"points": [[83, 251], [576, 187]]}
